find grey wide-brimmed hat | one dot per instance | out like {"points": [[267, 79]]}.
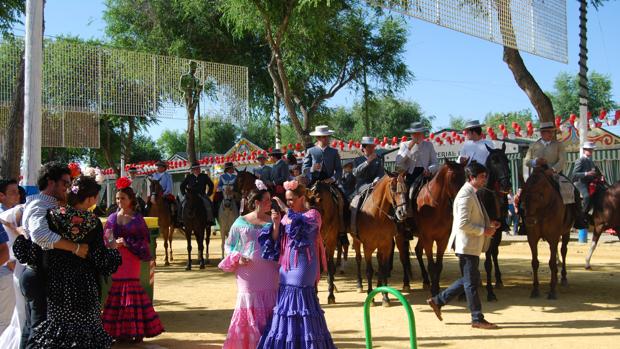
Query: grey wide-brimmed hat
{"points": [[589, 145], [161, 163], [195, 164], [547, 125], [472, 124], [416, 127], [348, 162], [276, 151], [367, 140], [228, 165], [321, 130], [133, 169], [261, 156]]}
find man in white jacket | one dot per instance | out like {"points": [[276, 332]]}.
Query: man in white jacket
{"points": [[471, 232]]}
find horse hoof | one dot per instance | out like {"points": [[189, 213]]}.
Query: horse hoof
{"points": [[331, 300], [406, 288], [360, 290], [341, 271], [588, 267], [426, 285], [202, 265], [385, 304], [552, 296], [189, 267], [564, 282], [491, 298], [372, 303], [166, 263], [499, 284], [535, 294]]}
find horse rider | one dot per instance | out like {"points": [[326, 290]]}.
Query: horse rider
{"points": [[547, 151], [139, 186], [198, 181], [417, 157], [264, 172], [279, 172], [585, 172], [347, 182], [475, 147], [229, 177], [322, 163], [165, 181], [367, 169]]}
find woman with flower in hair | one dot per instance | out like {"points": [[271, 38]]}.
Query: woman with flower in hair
{"points": [[257, 278], [295, 242], [128, 314], [73, 315]]}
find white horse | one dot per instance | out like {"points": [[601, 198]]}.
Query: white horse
{"points": [[227, 213]]}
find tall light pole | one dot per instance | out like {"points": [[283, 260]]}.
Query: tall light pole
{"points": [[32, 94]]}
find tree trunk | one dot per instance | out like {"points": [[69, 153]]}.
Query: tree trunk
{"points": [[276, 115], [515, 63], [583, 72], [191, 139], [14, 137], [130, 136], [107, 148]]}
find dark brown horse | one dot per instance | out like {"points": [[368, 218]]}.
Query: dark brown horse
{"points": [[493, 197], [245, 183], [161, 210], [546, 217], [195, 223], [605, 214], [433, 218], [376, 227]]}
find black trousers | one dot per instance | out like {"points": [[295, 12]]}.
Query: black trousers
{"points": [[33, 285]]}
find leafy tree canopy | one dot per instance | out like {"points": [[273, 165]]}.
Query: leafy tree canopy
{"points": [[565, 97]]}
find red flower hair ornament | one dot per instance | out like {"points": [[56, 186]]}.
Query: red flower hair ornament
{"points": [[75, 170], [123, 183]]}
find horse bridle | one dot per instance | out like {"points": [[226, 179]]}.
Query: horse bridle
{"points": [[394, 207]]}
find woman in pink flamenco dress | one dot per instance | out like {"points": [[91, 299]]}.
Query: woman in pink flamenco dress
{"points": [[128, 313], [257, 278]]}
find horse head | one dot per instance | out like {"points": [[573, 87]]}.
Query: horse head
{"points": [[229, 196], [155, 187], [453, 177], [399, 193], [246, 182], [538, 191], [317, 195], [498, 170]]}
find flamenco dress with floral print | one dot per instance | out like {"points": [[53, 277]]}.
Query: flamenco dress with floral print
{"points": [[128, 313], [73, 316]]}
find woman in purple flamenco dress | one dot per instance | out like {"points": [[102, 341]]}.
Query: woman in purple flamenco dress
{"points": [[295, 242], [257, 278]]}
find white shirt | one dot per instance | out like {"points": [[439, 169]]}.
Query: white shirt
{"points": [[421, 155], [476, 151]]}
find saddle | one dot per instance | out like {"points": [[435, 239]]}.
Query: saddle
{"points": [[357, 202]]}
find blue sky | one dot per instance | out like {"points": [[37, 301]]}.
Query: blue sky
{"points": [[456, 74]]}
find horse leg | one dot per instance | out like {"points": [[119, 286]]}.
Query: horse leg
{"points": [[223, 236], [497, 240], [403, 249], [391, 259], [533, 242], [170, 236], [369, 271], [595, 238], [188, 237], [419, 255], [200, 235], [207, 238], [166, 232], [488, 267], [441, 249], [358, 263], [331, 271], [428, 249], [382, 279], [553, 268], [563, 251]]}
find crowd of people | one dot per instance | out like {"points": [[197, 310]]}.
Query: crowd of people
{"points": [[55, 252], [60, 256]]}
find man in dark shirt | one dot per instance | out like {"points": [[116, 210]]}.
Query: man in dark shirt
{"points": [[198, 182]]}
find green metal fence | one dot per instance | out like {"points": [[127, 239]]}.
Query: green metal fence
{"points": [[412, 335]]}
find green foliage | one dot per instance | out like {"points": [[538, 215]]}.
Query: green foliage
{"points": [[260, 130], [389, 117], [144, 149], [217, 136], [565, 97], [521, 117], [10, 11], [171, 142], [456, 122]]}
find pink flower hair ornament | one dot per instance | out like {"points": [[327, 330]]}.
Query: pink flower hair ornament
{"points": [[291, 185]]}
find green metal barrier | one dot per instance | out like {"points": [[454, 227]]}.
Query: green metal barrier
{"points": [[403, 301]]}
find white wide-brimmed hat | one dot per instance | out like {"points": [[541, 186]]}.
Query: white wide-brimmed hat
{"points": [[547, 125], [589, 145], [321, 130], [416, 127], [367, 140], [472, 124]]}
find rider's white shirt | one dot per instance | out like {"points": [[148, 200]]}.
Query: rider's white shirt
{"points": [[476, 150]]}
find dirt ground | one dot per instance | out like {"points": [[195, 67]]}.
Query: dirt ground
{"points": [[196, 306]]}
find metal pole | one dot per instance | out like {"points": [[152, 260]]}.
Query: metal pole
{"points": [[583, 75], [413, 341], [122, 150], [32, 94]]}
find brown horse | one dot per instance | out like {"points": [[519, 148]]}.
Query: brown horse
{"points": [[161, 210], [546, 217], [376, 228], [245, 183], [605, 215], [433, 218], [319, 196]]}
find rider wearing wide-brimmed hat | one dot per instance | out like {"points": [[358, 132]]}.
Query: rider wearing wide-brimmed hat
{"points": [[264, 172], [229, 177], [585, 172], [416, 157], [280, 171], [198, 181], [475, 148], [165, 181], [138, 184]]}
